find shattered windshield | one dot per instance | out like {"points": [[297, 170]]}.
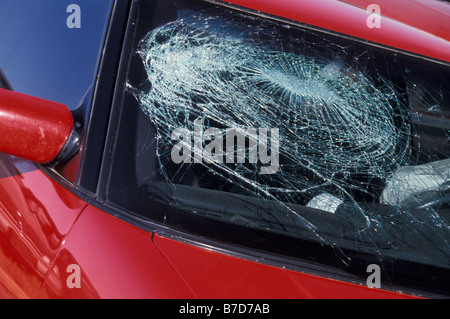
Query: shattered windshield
{"points": [[284, 129]]}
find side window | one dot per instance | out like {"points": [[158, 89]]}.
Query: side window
{"points": [[239, 120]]}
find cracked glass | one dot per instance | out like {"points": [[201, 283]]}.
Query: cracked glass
{"points": [[272, 126]]}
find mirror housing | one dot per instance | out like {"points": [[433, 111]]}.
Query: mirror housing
{"points": [[32, 128]]}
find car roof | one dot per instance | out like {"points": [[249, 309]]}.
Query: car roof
{"points": [[431, 16], [417, 26]]}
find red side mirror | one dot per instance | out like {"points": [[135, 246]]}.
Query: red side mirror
{"points": [[33, 128]]}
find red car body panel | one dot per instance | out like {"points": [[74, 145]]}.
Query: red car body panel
{"points": [[44, 227], [36, 214], [420, 29], [232, 277], [117, 260], [429, 16]]}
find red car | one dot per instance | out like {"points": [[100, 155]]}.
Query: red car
{"points": [[225, 149]]}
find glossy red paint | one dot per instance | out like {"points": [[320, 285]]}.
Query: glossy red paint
{"points": [[32, 128], [231, 277], [116, 259], [431, 16], [36, 214], [421, 29]]}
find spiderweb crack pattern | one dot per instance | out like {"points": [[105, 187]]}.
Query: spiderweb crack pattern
{"points": [[342, 131], [333, 122]]}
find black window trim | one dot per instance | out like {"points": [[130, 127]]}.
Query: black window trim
{"points": [[99, 117]]}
